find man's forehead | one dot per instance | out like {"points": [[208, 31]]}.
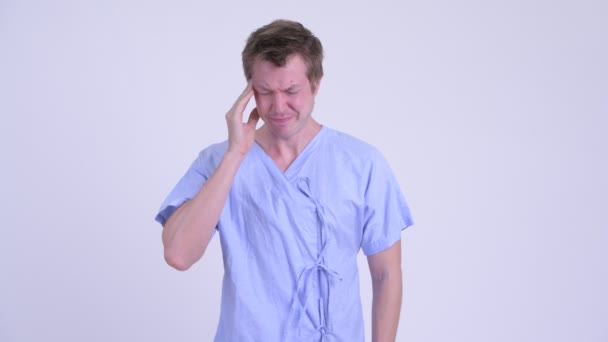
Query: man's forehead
{"points": [[265, 74]]}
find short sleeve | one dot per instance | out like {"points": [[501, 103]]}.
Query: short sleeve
{"points": [[386, 211], [189, 185]]}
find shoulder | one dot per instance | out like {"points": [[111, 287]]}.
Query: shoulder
{"points": [[210, 156], [214, 150], [350, 147], [351, 155]]}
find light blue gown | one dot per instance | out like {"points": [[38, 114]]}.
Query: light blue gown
{"points": [[290, 239]]}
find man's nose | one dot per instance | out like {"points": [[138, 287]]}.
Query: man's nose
{"points": [[278, 102]]}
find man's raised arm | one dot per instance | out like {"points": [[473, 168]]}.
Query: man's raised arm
{"points": [[188, 230]]}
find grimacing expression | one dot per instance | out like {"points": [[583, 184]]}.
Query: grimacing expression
{"points": [[284, 96]]}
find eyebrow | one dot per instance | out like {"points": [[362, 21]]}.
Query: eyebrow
{"points": [[261, 88]]}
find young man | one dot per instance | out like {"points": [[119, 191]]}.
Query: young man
{"points": [[293, 203]]}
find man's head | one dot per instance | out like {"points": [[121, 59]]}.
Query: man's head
{"points": [[278, 41]]}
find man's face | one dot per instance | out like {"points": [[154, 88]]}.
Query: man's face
{"points": [[284, 96]]}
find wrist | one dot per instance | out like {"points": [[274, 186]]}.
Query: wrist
{"points": [[233, 156]]}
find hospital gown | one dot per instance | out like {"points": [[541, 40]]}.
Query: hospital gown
{"points": [[290, 239]]}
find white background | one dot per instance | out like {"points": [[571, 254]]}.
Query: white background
{"points": [[493, 115]]}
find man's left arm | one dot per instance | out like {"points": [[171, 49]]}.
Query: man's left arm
{"points": [[385, 269]]}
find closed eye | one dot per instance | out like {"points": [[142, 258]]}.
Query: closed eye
{"points": [[292, 91]]}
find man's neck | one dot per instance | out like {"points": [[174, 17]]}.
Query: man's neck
{"points": [[284, 150]]}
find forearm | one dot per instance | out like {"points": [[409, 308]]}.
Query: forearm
{"points": [[386, 305], [385, 270], [188, 230]]}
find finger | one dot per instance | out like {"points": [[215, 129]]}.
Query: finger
{"points": [[236, 112], [254, 116], [244, 98]]}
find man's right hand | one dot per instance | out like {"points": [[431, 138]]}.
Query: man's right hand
{"points": [[241, 135]]}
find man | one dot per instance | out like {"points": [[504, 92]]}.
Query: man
{"points": [[293, 203]]}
